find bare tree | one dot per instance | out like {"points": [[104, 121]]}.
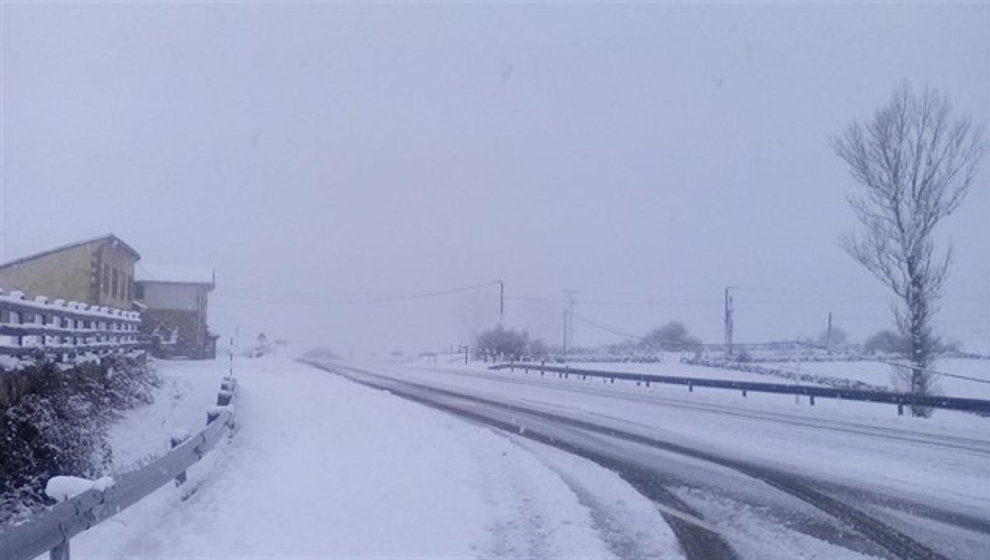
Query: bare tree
{"points": [[915, 163]]}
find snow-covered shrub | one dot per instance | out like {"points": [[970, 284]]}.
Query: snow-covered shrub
{"points": [[58, 426]]}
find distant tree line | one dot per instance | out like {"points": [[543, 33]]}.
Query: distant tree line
{"points": [[509, 344]]}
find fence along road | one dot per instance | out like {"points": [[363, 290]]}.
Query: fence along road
{"points": [[51, 529], [58, 327]]}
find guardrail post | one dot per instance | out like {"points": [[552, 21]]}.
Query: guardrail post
{"points": [[175, 441], [60, 552]]}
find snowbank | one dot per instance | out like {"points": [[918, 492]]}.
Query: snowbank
{"points": [[61, 488]]}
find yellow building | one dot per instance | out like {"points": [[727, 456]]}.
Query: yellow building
{"points": [[95, 272]]}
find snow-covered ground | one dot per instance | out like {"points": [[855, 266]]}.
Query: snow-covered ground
{"points": [[322, 467], [878, 373], [871, 372], [941, 459], [673, 367]]}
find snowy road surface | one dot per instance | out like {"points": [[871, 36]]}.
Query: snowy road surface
{"points": [[323, 467], [776, 479]]}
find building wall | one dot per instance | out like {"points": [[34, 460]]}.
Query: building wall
{"points": [[81, 273], [161, 295], [192, 338], [182, 306], [114, 261], [68, 274]]}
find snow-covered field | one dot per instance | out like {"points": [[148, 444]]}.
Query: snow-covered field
{"points": [[322, 467], [871, 372], [878, 373]]}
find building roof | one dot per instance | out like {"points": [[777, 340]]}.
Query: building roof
{"points": [[173, 274], [110, 238]]}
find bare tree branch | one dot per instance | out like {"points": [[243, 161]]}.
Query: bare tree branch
{"points": [[916, 164]]}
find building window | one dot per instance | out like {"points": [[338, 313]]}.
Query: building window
{"points": [[106, 279], [116, 282], [139, 291], [127, 286]]}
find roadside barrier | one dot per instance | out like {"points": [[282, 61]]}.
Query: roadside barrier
{"points": [[63, 328], [52, 529], [979, 406]]}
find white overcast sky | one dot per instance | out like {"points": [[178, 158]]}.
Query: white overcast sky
{"points": [[645, 152]]}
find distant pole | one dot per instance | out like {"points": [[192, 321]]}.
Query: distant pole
{"points": [[501, 302], [828, 334], [797, 366], [729, 312], [569, 319], [565, 335]]}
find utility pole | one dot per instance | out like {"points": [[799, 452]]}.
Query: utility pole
{"points": [[729, 312], [564, 330], [828, 334], [569, 320], [501, 302]]}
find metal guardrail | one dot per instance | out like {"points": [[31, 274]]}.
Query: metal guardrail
{"points": [[51, 530], [900, 399], [58, 327]]}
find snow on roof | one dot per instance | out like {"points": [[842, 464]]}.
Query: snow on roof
{"points": [[174, 274]]}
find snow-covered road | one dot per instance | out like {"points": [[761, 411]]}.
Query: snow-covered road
{"points": [[926, 479], [322, 467]]}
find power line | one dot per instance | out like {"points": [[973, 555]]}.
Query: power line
{"points": [[232, 293], [606, 329], [536, 299], [649, 303], [616, 303]]}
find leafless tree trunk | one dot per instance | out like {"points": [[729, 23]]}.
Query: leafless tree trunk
{"points": [[915, 164]]}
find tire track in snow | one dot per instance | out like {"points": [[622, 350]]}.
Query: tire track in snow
{"points": [[629, 525]]}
